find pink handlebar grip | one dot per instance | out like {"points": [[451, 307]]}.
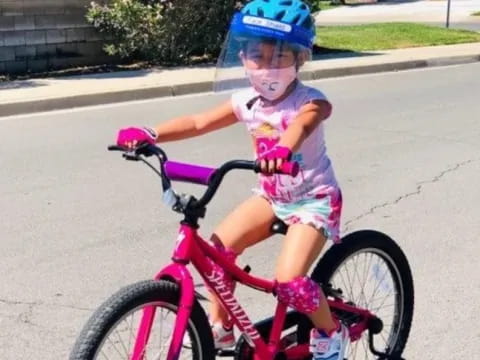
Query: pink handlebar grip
{"points": [[290, 168]]}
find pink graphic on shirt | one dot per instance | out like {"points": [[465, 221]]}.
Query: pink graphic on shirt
{"points": [[284, 122], [269, 185]]}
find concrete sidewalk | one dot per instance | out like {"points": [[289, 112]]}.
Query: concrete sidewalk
{"points": [[27, 96], [428, 11]]}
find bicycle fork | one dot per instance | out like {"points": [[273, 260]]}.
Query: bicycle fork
{"points": [[181, 275]]}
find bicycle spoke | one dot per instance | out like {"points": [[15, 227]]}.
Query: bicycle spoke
{"points": [[355, 352], [355, 276], [161, 320], [362, 294], [365, 276], [105, 356], [114, 346], [382, 299], [365, 273], [127, 349], [383, 337], [378, 285], [349, 283], [383, 302], [131, 332], [344, 284], [365, 347], [160, 333], [119, 337]]}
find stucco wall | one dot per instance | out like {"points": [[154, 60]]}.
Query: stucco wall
{"points": [[39, 35]]}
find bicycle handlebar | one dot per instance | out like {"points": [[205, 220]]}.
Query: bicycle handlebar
{"points": [[211, 177]]}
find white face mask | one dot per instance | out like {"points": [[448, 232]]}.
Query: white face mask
{"points": [[272, 83]]}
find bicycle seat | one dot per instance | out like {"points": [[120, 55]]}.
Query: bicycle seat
{"points": [[279, 227]]}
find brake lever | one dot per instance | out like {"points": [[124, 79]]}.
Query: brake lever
{"points": [[145, 150], [131, 155]]}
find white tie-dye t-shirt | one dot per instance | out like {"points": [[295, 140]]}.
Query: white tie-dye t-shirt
{"points": [[267, 124]]}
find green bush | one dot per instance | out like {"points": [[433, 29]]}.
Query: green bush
{"points": [[318, 5], [169, 32]]}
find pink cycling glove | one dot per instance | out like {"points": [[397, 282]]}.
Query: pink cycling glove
{"points": [[277, 153], [136, 135]]}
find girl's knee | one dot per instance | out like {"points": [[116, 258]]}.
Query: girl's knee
{"points": [[226, 244]]}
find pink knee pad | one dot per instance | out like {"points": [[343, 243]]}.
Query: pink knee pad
{"points": [[303, 294]]}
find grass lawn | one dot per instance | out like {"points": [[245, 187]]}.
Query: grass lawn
{"points": [[384, 36]]}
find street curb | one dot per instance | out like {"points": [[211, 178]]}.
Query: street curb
{"points": [[111, 97]]}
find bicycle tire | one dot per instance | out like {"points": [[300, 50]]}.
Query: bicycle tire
{"points": [[397, 263], [126, 300]]}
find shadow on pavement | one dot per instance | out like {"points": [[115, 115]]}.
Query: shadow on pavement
{"points": [[21, 84]]}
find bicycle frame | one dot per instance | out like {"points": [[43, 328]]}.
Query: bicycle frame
{"points": [[191, 248]]}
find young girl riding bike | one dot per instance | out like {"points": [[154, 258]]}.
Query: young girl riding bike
{"points": [[271, 40]]}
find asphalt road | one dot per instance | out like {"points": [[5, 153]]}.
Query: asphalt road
{"points": [[78, 222]]}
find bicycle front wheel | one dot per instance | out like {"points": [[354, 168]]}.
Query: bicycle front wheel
{"points": [[373, 273], [111, 332]]}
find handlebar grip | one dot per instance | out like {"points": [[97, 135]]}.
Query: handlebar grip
{"points": [[290, 168], [188, 173]]}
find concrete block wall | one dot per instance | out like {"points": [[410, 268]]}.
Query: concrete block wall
{"points": [[40, 35]]}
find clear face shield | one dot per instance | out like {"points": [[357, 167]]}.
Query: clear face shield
{"points": [[262, 53]]}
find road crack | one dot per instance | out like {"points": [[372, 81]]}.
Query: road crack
{"points": [[417, 191]]}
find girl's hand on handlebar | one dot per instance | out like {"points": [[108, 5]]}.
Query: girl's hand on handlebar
{"points": [[272, 160], [133, 136]]}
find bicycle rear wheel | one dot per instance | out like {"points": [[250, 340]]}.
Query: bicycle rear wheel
{"points": [[373, 273], [111, 331]]}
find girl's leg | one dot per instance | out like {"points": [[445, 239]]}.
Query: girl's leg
{"points": [[247, 225], [302, 246]]}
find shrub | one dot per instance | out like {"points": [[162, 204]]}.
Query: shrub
{"points": [[169, 32]]}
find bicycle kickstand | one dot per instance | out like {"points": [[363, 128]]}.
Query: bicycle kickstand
{"points": [[381, 355]]}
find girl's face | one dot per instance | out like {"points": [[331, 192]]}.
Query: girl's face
{"points": [[265, 55]]}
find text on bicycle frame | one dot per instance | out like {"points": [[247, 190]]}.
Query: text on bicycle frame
{"points": [[224, 292]]}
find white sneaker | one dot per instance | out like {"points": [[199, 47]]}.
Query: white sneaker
{"points": [[324, 347], [223, 338]]}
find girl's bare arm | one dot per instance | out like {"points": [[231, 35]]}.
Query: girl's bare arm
{"points": [[198, 124], [308, 118]]}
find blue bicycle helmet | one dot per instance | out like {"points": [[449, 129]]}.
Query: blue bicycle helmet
{"points": [[287, 11], [285, 20]]}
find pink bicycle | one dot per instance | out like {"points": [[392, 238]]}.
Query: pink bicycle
{"points": [[366, 278]]}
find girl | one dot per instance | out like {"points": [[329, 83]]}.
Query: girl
{"points": [[270, 40]]}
